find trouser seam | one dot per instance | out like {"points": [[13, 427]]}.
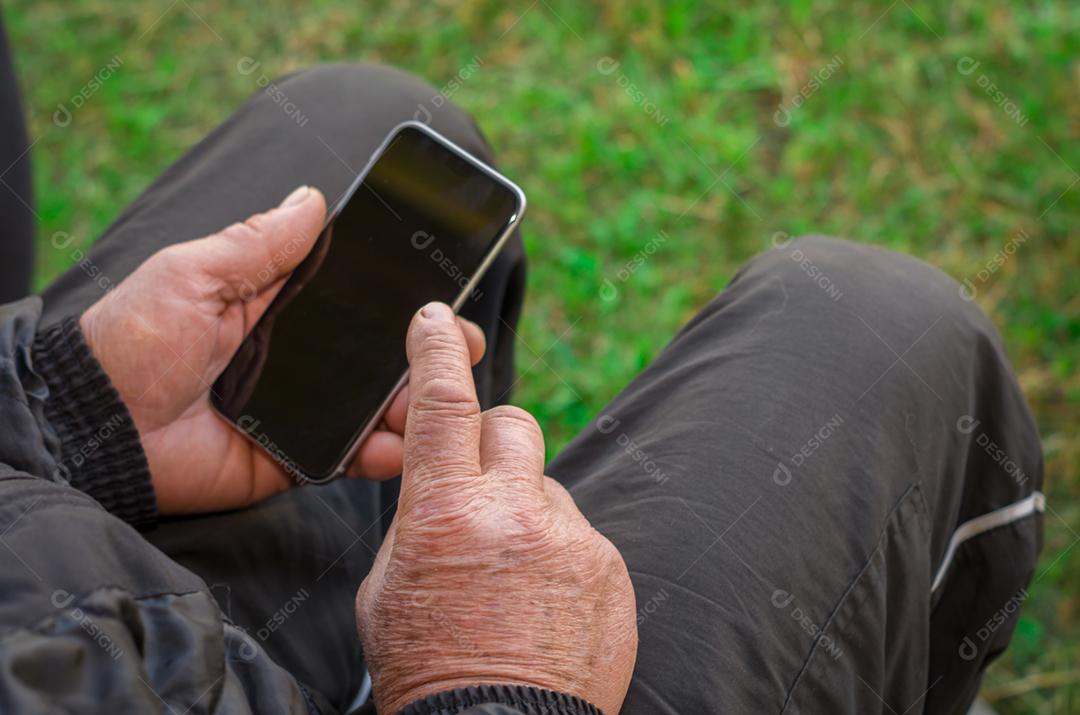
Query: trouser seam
{"points": [[895, 516]]}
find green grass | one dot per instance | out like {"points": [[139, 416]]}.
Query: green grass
{"points": [[898, 148]]}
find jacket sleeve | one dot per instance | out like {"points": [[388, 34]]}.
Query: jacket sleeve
{"points": [[96, 443], [500, 700], [93, 619]]}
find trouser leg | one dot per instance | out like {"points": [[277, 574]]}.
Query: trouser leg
{"points": [[287, 570], [16, 189], [785, 481]]}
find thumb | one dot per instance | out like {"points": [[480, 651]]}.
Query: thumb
{"points": [[247, 257]]}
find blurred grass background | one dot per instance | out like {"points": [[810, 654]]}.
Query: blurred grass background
{"points": [[899, 147]]}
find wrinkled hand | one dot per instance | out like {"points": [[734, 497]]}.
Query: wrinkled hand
{"points": [[489, 573], [166, 333]]}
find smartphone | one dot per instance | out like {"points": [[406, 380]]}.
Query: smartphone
{"points": [[422, 222]]}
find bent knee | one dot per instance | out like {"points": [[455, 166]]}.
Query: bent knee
{"points": [[818, 271], [825, 259], [363, 82], [348, 94]]}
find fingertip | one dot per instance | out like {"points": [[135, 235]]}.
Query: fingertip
{"points": [[380, 456], [474, 336], [298, 196], [437, 311], [300, 219], [304, 196], [318, 197], [434, 326], [398, 411]]}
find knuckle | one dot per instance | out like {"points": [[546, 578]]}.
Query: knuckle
{"points": [[554, 488], [610, 556], [559, 496], [513, 417], [241, 232], [445, 396], [519, 470], [449, 529], [432, 336], [166, 258], [258, 223], [364, 605], [493, 525], [610, 566], [178, 261], [599, 563]]}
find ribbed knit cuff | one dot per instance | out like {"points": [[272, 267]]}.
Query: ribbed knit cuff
{"points": [[530, 701], [100, 450]]}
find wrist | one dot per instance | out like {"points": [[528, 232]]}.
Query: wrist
{"points": [[527, 698], [461, 661], [415, 680]]}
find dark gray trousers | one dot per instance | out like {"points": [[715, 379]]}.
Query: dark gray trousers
{"points": [[826, 488]]}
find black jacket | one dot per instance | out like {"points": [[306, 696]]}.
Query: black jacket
{"points": [[93, 618]]}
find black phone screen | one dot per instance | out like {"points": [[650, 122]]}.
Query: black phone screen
{"points": [[324, 357]]}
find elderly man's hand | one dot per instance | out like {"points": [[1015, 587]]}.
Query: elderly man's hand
{"points": [[489, 573], [169, 329]]}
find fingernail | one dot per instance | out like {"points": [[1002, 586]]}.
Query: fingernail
{"points": [[437, 311], [296, 197]]}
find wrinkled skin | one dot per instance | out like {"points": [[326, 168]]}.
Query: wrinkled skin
{"points": [[166, 333], [490, 573]]}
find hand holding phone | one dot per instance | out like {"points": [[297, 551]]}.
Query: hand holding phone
{"points": [[169, 330], [318, 372]]}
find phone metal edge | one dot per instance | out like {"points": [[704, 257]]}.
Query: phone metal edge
{"points": [[354, 446], [478, 274]]}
